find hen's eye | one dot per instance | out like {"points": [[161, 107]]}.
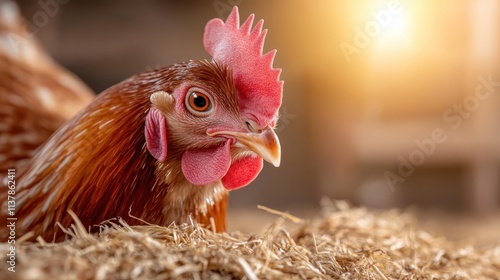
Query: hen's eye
{"points": [[198, 102]]}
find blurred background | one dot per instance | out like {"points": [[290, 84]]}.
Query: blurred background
{"points": [[387, 103]]}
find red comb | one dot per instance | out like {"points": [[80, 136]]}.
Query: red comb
{"points": [[240, 48]]}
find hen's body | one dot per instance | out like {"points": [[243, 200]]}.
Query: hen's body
{"points": [[36, 95], [99, 159]]}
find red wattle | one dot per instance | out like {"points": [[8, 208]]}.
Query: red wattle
{"points": [[242, 172]]}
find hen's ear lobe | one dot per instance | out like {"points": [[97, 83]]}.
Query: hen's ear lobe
{"points": [[155, 132], [155, 129]]}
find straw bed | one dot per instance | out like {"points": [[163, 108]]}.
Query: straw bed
{"points": [[346, 243]]}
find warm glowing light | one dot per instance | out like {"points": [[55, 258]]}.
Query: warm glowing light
{"points": [[395, 35], [383, 30], [396, 30]]}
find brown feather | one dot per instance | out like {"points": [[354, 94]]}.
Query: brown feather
{"points": [[217, 212]]}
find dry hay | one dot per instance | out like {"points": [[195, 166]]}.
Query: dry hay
{"points": [[346, 243]]}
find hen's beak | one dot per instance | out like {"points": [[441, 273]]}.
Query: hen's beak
{"points": [[265, 143]]}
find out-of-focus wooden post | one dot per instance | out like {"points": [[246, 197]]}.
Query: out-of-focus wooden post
{"points": [[484, 181]]}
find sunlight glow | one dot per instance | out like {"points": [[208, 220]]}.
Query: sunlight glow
{"points": [[395, 35]]}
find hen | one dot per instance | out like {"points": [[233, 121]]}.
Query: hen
{"points": [[163, 146], [37, 96]]}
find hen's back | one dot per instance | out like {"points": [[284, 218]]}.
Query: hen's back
{"points": [[36, 94]]}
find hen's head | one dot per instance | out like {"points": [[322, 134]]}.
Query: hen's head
{"points": [[218, 118]]}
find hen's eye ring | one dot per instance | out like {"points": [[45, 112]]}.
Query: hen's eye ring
{"points": [[198, 102]]}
